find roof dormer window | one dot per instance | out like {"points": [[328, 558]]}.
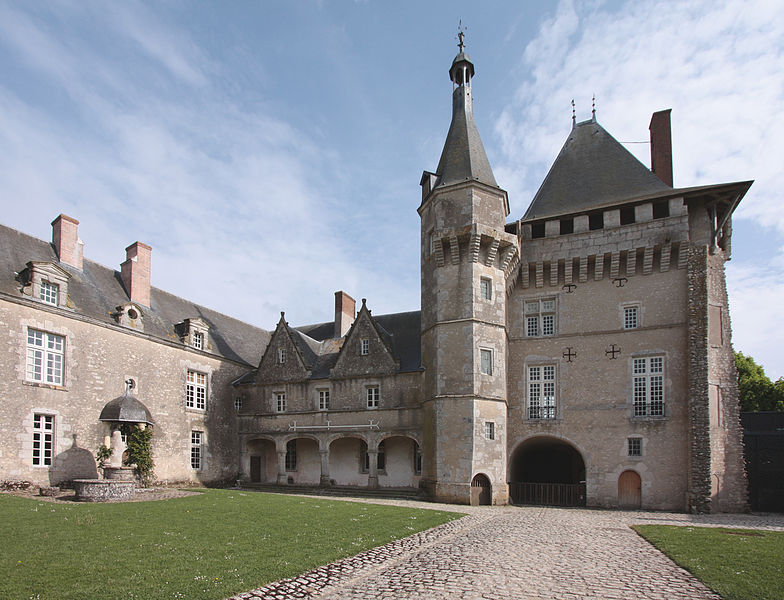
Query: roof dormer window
{"points": [[198, 340], [194, 333], [129, 315], [45, 282], [49, 292]]}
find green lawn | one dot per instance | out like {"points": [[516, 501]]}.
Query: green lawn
{"points": [[211, 545], [739, 564]]}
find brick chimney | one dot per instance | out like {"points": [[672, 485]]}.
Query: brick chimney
{"points": [[661, 145], [66, 242], [135, 273], [344, 313]]}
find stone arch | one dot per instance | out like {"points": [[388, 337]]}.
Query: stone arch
{"points": [[629, 489], [260, 461], [346, 459], [547, 470], [481, 490], [400, 461], [304, 467]]}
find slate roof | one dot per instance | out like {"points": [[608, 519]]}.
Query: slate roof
{"points": [[97, 291], [463, 157], [592, 169]]}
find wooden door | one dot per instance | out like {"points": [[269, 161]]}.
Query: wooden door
{"points": [[255, 469], [629, 490], [481, 491]]}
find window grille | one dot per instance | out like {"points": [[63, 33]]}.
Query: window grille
{"points": [[541, 392], [648, 386]]}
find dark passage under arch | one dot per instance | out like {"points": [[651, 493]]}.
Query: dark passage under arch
{"points": [[547, 471]]}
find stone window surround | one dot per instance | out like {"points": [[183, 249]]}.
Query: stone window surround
{"points": [[622, 312], [540, 315], [43, 272], [62, 437], [372, 401], [279, 401], [41, 356], [542, 408], [490, 430], [486, 289], [323, 398], [634, 447], [666, 391], [190, 330], [189, 365], [486, 360], [197, 443], [46, 326]]}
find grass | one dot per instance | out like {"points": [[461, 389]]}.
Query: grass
{"points": [[738, 564], [208, 546]]}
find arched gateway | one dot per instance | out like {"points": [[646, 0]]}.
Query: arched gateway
{"points": [[547, 471]]}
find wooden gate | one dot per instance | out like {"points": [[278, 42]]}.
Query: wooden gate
{"points": [[547, 494], [481, 490], [629, 490]]}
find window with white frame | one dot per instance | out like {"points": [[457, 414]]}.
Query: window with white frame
{"points": [[540, 317], [49, 292], [486, 361], [291, 455], [43, 440], [373, 395], [45, 357], [490, 430], [541, 392], [323, 399], [281, 356], [196, 440], [364, 347], [196, 390], [631, 317], [634, 446], [280, 401], [648, 386], [197, 339], [486, 288]]}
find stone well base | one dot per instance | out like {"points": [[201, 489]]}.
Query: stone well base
{"points": [[104, 490], [120, 473]]}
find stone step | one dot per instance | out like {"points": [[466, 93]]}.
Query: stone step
{"points": [[337, 490]]}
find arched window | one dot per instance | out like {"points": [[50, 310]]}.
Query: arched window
{"points": [[291, 455]]}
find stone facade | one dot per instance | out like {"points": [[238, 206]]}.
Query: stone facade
{"points": [[578, 355]]}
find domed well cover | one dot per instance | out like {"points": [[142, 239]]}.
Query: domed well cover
{"points": [[126, 409]]}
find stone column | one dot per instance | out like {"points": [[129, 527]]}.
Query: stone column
{"points": [[372, 469], [324, 480], [282, 477]]}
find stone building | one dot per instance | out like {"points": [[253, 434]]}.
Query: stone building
{"points": [[580, 354]]}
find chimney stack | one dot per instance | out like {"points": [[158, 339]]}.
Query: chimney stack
{"points": [[66, 242], [344, 313], [661, 145], [135, 273]]}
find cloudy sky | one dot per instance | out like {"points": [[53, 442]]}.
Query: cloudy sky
{"points": [[270, 151]]}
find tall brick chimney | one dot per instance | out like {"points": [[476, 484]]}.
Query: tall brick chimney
{"points": [[344, 313], [135, 272], [66, 242], [661, 145]]}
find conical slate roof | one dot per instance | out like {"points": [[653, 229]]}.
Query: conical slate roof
{"points": [[126, 409], [592, 169], [463, 157]]}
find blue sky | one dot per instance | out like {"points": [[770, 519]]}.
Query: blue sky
{"points": [[270, 152]]}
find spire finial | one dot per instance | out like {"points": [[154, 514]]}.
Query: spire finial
{"points": [[593, 107], [574, 114], [461, 34]]}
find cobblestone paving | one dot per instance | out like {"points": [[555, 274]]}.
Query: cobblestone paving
{"points": [[516, 553]]}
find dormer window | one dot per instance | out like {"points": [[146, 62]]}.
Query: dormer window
{"points": [[281, 356], [364, 347], [49, 292], [45, 282], [198, 340], [129, 315], [194, 333]]}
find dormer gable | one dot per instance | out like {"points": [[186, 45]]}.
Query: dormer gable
{"points": [[283, 359], [45, 282], [194, 332], [130, 315], [367, 349]]}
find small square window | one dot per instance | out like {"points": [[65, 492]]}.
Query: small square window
{"points": [[49, 292], [486, 357], [490, 430], [198, 340], [281, 356], [486, 288], [364, 347], [631, 317], [280, 401], [373, 394], [634, 446]]}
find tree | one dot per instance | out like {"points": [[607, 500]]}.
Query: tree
{"points": [[757, 392]]}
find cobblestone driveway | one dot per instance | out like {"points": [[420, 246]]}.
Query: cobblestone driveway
{"points": [[516, 553]]}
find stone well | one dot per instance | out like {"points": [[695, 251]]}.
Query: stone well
{"points": [[104, 490]]}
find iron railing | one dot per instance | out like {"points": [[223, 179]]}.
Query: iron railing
{"points": [[547, 494]]}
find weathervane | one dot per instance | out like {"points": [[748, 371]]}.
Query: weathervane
{"points": [[574, 114], [593, 107], [461, 34]]}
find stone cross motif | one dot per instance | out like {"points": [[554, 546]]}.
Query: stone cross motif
{"points": [[568, 354], [569, 287], [612, 351], [620, 281]]}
